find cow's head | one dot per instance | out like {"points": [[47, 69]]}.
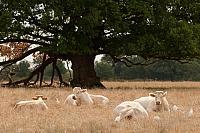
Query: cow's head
{"points": [[159, 95], [77, 91], [39, 96], [81, 94]]}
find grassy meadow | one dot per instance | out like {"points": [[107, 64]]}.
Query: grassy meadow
{"points": [[63, 118]]}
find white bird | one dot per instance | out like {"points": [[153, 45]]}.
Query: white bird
{"points": [[57, 101], [117, 119], [174, 108], [190, 113], [156, 118]]}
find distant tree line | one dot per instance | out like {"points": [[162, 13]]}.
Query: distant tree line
{"points": [[160, 70]]}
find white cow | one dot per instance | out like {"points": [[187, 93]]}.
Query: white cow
{"points": [[81, 96], [73, 100], [154, 102], [142, 106], [99, 99], [36, 102], [129, 109], [179, 109]]}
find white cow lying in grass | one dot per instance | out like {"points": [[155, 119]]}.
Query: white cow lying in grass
{"points": [[73, 100], [81, 96], [99, 99], [142, 106], [36, 102], [155, 102], [129, 109], [179, 109]]}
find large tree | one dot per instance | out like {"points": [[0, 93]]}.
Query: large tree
{"points": [[81, 29]]}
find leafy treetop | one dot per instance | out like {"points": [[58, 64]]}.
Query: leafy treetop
{"points": [[147, 28]]}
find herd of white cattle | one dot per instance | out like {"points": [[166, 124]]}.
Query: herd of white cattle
{"points": [[138, 108]]}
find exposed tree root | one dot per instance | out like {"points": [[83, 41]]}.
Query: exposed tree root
{"points": [[38, 72]]}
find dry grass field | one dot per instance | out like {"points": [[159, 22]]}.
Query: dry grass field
{"points": [[60, 118]]}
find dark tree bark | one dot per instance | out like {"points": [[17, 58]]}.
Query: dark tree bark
{"points": [[42, 71], [84, 74], [53, 72]]}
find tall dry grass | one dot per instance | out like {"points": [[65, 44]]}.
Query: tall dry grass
{"points": [[60, 118], [153, 84]]}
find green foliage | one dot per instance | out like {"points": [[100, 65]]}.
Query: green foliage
{"points": [[135, 72], [161, 70], [104, 70], [49, 69], [150, 29], [23, 69], [147, 28]]}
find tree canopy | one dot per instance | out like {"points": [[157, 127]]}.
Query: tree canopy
{"points": [[79, 30]]}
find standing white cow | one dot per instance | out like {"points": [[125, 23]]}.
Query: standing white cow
{"points": [[155, 102]]}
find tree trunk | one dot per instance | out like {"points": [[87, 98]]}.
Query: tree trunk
{"points": [[84, 74], [42, 72]]}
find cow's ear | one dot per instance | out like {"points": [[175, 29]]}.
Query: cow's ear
{"points": [[165, 93], [34, 98], [74, 97], [84, 90], [152, 95], [44, 98]]}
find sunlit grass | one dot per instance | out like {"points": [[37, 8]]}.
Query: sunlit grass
{"points": [[60, 118], [153, 84]]}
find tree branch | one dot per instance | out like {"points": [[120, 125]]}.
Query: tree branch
{"points": [[24, 40], [41, 37], [53, 72], [60, 77], [42, 71], [130, 63], [12, 61], [36, 71]]}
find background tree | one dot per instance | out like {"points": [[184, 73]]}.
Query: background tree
{"points": [[22, 69], [79, 30], [62, 68], [161, 70], [104, 70]]}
